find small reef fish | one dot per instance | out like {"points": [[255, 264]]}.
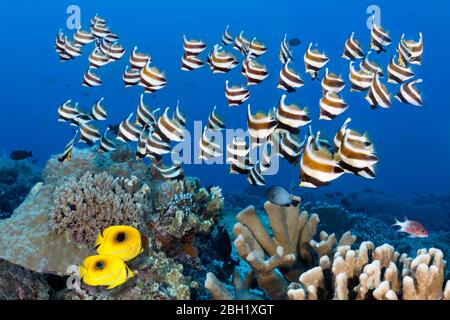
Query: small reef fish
{"points": [[191, 62], [289, 79], [89, 133], [331, 105], [104, 270], [280, 197], [255, 72], [236, 95], [256, 48], [314, 61], [128, 131], [66, 156], [215, 122], [227, 39], [173, 172], [98, 112], [152, 79], [290, 117], [18, 155], [352, 49], [106, 144], [138, 60], [131, 77], [397, 73], [123, 242], [332, 83], [413, 228], [265, 160], [169, 129], [67, 111], [82, 37], [193, 47], [359, 80], [410, 51], [379, 38], [145, 116], [408, 93], [317, 166], [221, 61], [208, 148], [156, 147], [255, 176], [91, 79], [241, 43], [370, 66], [378, 94], [260, 126], [289, 145], [98, 59], [178, 117], [285, 52]]}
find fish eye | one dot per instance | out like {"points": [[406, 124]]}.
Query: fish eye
{"points": [[99, 265], [120, 237]]}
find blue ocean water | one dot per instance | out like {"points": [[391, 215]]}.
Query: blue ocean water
{"points": [[412, 143]]}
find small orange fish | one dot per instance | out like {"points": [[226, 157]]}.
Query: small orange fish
{"points": [[413, 228]]}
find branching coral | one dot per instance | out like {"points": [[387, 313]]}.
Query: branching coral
{"points": [[85, 206], [341, 273]]}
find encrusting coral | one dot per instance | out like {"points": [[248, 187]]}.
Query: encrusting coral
{"points": [[85, 206], [283, 264]]}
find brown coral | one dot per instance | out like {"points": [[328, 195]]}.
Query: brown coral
{"points": [[85, 206]]}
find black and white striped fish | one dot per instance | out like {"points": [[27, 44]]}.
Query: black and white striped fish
{"points": [[178, 117], [370, 66], [144, 115], [352, 49], [71, 49], [215, 122], [209, 149], [360, 80], [289, 79], [98, 59], [408, 93], [317, 166], [255, 176], [227, 39], [260, 126], [100, 30], [190, 62], [131, 77], [236, 95], [172, 172], [193, 47], [266, 156], [256, 48], [241, 43], [332, 83], [82, 37], [379, 38], [289, 145], [331, 105], [91, 79], [290, 117], [97, 19], [398, 73], [168, 129], [66, 156], [98, 112], [128, 131], [237, 153], [352, 136], [141, 147], [255, 72], [67, 111], [152, 79], [89, 133], [60, 47], [106, 144], [285, 52], [410, 51], [314, 61], [114, 51], [138, 60], [378, 94], [221, 61], [156, 147], [356, 156]]}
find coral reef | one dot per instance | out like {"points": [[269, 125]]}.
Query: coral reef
{"points": [[291, 264], [85, 206], [16, 283], [16, 180]]}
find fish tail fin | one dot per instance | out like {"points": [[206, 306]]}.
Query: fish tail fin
{"points": [[397, 223]]}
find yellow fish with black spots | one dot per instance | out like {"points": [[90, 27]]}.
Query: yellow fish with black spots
{"points": [[103, 270], [123, 242]]}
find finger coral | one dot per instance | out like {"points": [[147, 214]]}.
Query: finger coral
{"points": [[85, 206]]}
